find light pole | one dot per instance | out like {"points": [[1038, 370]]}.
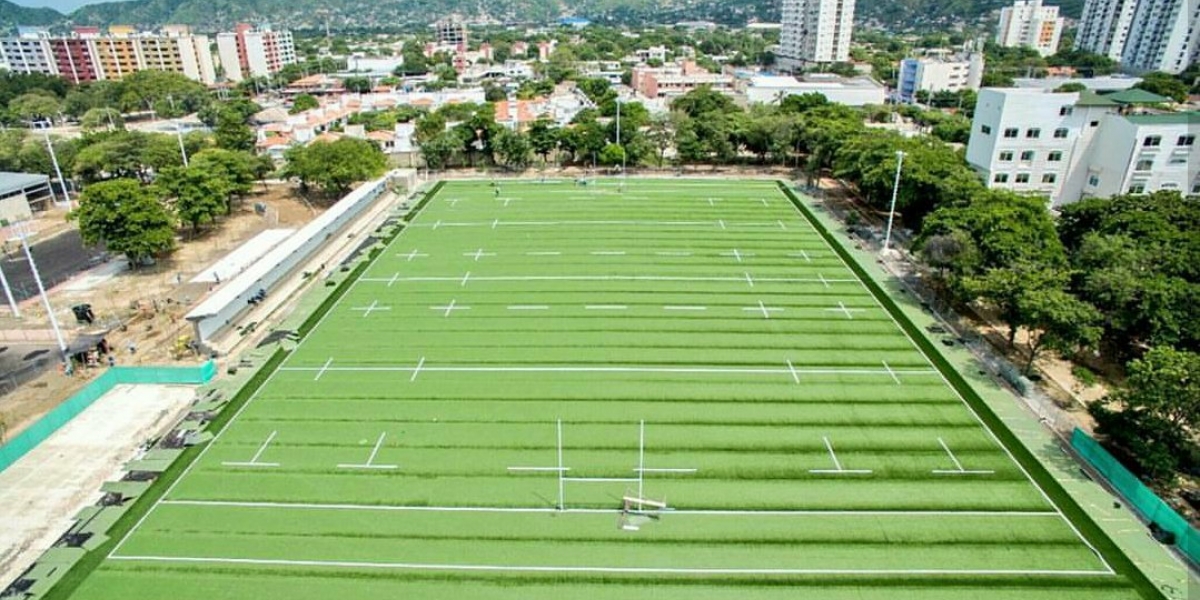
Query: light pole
{"points": [[57, 169], [178, 133], [887, 239], [23, 234], [12, 302]]}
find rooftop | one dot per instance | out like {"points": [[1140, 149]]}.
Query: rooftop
{"points": [[1178, 118], [15, 182], [1137, 96]]}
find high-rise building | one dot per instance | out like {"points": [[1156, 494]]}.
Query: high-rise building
{"points": [[1029, 24], [450, 32], [1104, 27], [88, 56], [1163, 36], [939, 74], [816, 31], [248, 52]]}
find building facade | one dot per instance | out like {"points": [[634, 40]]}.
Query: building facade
{"points": [[254, 52], [938, 74], [88, 56], [1164, 36], [1069, 146], [816, 31], [677, 79], [1104, 27], [1029, 24]]}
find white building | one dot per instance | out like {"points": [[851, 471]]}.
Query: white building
{"points": [[1068, 146], [248, 52], [816, 31], [856, 91], [1104, 27], [1029, 24], [939, 74], [1164, 36]]}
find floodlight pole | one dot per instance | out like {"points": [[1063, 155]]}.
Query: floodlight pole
{"points": [[37, 278], [887, 240], [57, 169], [12, 303], [182, 149]]}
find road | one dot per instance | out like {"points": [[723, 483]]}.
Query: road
{"points": [[58, 259]]}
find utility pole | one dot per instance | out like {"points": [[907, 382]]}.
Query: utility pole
{"points": [[23, 234], [887, 240], [57, 169]]}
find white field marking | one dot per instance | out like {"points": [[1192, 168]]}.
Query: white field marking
{"points": [[849, 312], [495, 223], [837, 464], [440, 224], [466, 278], [543, 254], [511, 278], [737, 254], [958, 466], [792, 370], [668, 370], [583, 569], [417, 371], [540, 469], [436, 225], [208, 446], [253, 462], [528, 307], [600, 479], [453, 202], [712, 202], [660, 470], [749, 279], [892, 373], [764, 309], [450, 308], [608, 253], [781, 224], [395, 277], [967, 405], [608, 511], [324, 368], [685, 308], [605, 307], [367, 310], [370, 464], [478, 254], [506, 201], [722, 224], [801, 254], [823, 280], [411, 255]]}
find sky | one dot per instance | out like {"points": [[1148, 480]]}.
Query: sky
{"points": [[62, 6]]}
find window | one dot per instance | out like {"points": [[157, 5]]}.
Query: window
{"points": [[1196, 188], [1022, 177], [1094, 124], [1000, 178], [987, 130], [1186, 140], [1066, 111], [1033, 132], [1137, 188], [1027, 156], [1144, 164], [1178, 159], [1011, 132], [1055, 156], [1049, 178], [1152, 141], [1006, 156], [1060, 133], [1094, 180]]}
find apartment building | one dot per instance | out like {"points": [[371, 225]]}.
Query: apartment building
{"points": [[1068, 146], [1143, 35], [1030, 24], [86, 55], [677, 79], [248, 51], [1104, 27], [939, 73], [815, 31]]}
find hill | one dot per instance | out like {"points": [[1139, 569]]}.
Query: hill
{"points": [[12, 15]]}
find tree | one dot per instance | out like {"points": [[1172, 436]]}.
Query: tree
{"points": [[544, 137], [36, 106], [102, 118], [333, 167], [1058, 321], [612, 155], [1155, 414], [232, 132], [200, 195], [512, 149], [439, 151], [661, 136], [429, 127], [127, 218], [237, 169], [1164, 84], [303, 102], [357, 85]]}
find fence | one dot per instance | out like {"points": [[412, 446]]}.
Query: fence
{"points": [[1137, 495], [19, 446]]}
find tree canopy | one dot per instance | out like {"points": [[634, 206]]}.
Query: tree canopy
{"points": [[126, 217]]}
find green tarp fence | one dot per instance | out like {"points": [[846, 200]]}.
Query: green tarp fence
{"points": [[20, 445], [1141, 498]]}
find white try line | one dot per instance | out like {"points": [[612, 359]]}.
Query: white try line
{"points": [[411, 255], [892, 373], [849, 312], [540, 469], [764, 309], [489, 224], [253, 462], [465, 279], [792, 370], [478, 254], [606, 278], [450, 308], [543, 254], [374, 307], [901, 513], [749, 279], [738, 255], [324, 368], [801, 254], [417, 371], [588, 569], [370, 464], [695, 370], [837, 469], [959, 469], [686, 308], [600, 479], [781, 224], [824, 281], [722, 224]]}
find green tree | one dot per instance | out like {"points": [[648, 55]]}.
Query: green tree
{"points": [[333, 167], [440, 150], [612, 155], [661, 136], [357, 85], [512, 149], [200, 195], [126, 217], [1164, 84], [102, 118], [303, 102], [232, 132], [429, 127], [237, 169], [36, 106], [544, 138], [1058, 321], [1153, 416]]}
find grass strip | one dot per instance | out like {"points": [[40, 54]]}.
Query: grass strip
{"points": [[1066, 503]]}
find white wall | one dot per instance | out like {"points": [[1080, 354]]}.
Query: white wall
{"points": [[227, 52]]}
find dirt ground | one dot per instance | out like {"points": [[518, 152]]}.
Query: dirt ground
{"points": [[145, 307]]}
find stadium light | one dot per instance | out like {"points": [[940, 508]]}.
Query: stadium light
{"points": [[887, 239]]}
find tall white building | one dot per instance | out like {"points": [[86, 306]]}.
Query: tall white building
{"points": [[1104, 27], [816, 31], [1029, 24], [939, 74], [249, 52], [1164, 36], [1069, 146]]}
